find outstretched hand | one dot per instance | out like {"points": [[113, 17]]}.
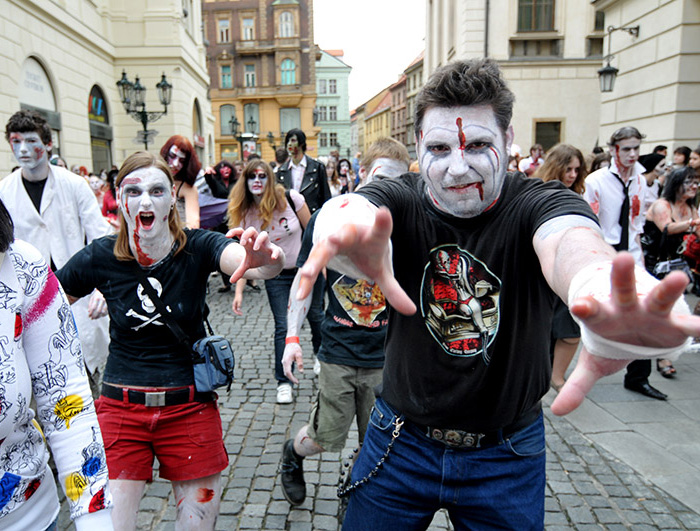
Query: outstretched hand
{"points": [[627, 317], [368, 249], [259, 251], [292, 354]]}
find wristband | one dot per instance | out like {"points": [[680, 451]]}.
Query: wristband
{"points": [[291, 339], [594, 281]]}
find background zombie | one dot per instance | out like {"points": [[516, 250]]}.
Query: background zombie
{"points": [[184, 165], [55, 210], [42, 360], [149, 375], [539, 240]]}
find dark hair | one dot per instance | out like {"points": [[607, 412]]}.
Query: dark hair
{"points": [[190, 168], [675, 181], [659, 148], [598, 161], [254, 156], [281, 155], [7, 228], [301, 137], [685, 151], [623, 133], [473, 82], [598, 150], [111, 178], [26, 121], [650, 161]]}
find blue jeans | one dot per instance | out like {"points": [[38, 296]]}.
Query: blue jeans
{"points": [[497, 487], [278, 289]]}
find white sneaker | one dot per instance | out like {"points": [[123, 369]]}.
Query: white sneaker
{"points": [[284, 393], [317, 367]]}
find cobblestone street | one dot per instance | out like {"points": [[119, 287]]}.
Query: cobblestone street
{"points": [[587, 487]]}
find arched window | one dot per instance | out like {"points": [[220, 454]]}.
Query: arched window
{"points": [[286, 25], [226, 114], [289, 72]]}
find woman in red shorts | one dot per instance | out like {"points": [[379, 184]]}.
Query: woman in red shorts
{"points": [[149, 407]]}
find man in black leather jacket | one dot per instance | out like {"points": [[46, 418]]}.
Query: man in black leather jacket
{"points": [[302, 173]]}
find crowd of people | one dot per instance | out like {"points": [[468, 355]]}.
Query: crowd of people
{"points": [[443, 304]]}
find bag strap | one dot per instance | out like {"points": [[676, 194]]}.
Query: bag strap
{"points": [[160, 306], [288, 195]]}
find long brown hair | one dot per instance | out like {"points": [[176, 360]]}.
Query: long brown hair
{"points": [[191, 166], [240, 200], [137, 161], [555, 164], [335, 178]]}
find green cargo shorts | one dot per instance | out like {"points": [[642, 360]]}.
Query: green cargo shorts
{"points": [[343, 393]]}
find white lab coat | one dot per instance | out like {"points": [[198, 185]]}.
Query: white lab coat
{"points": [[69, 215]]}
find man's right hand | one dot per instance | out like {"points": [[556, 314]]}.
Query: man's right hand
{"points": [[368, 248], [292, 354]]}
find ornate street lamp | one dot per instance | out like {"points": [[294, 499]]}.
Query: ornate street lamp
{"points": [[608, 73], [271, 140], [251, 125], [133, 98]]}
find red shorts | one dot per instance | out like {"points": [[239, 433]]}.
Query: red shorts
{"points": [[187, 440]]}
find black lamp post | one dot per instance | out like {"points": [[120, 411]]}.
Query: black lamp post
{"points": [[235, 124], [271, 140], [608, 73], [133, 98]]}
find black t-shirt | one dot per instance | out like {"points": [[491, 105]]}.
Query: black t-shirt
{"points": [[143, 351], [475, 281], [354, 327], [35, 189]]}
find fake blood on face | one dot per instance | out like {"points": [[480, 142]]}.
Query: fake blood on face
{"points": [[141, 257], [461, 137]]}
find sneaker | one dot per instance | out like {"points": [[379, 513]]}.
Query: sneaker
{"points": [[292, 475], [317, 367], [284, 393]]}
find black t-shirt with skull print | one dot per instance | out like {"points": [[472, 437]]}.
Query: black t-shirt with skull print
{"points": [[475, 356], [142, 350]]}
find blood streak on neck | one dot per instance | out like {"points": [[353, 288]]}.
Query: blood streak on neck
{"points": [[460, 135], [141, 256]]}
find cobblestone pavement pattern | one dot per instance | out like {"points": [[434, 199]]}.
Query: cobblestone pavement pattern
{"points": [[587, 487]]}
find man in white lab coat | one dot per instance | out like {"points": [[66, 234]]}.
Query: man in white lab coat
{"points": [[56, 211]]}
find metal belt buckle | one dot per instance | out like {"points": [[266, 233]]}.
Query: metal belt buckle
{"points": [[456, 438], [155, 399]]}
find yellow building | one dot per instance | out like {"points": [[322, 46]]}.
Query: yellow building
{"points": [[261, 60], [377, 118]]}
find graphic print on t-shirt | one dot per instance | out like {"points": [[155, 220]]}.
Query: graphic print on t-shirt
{"points": [[147, 305], [362, 300], [459, 302]]}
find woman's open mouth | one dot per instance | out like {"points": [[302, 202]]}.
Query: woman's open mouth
{"points": [[146, 219]]}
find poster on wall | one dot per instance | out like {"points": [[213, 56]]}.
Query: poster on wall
{"points": [[249, 147]]}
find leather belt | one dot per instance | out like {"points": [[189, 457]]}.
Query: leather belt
{"points": [[455, 438], [172, 397]]}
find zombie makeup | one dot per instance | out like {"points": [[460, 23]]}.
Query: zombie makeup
{"points": [[627, 152], [95, 183], [386, 168], [571, 173], [256, 183], [293, 146], [31, 154], [146, 197], [463, 158], [176, 159], [343, 168], [225, 172], [690, 188]]}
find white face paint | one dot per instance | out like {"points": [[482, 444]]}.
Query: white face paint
{"points": [[146, 197], [95, 183], [386, 168], [463, 158], [256, 182], [176, 159], [31, 153], [344, 168], [626, 152]]}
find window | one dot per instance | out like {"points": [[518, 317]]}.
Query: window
{"points": [[289, 72], [248, 29], [226, 114], [286, 25], [226, 81], [332, 86], [322, 113], [224, 31], [323, 140], [333, 139], [332, 113], [535, 15], [547, 134], [599, 21], [249, 75], [321, 86], [290, 119], [251, 117], [536, 48]]}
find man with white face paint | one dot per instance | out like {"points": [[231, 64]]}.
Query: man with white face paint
{"points": [[611, 191], [458, 423], [55, 210], [351, 356]]}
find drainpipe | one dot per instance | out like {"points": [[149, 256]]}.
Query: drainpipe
{"points": [[486, 29]]}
